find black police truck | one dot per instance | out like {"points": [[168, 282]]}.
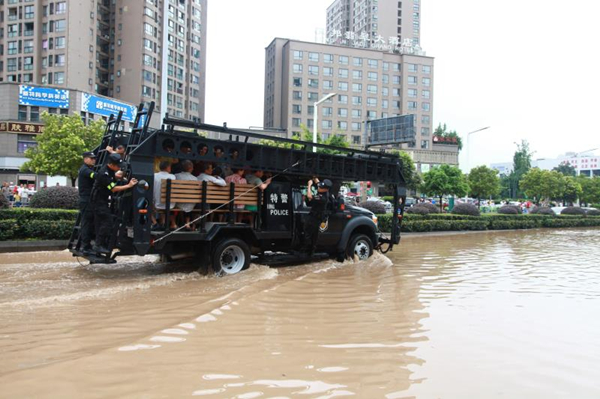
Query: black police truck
{"points": [[234, 222]]}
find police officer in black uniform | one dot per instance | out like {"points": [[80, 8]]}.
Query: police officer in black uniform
{"points": [[106, 183], [318, 206], [85, 181]]}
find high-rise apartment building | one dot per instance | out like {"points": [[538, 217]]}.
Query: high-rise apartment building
{"points": [[369, 85], [347, 20], [137, 51]]}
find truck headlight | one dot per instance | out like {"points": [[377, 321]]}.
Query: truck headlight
{"points": [[374, 219]]}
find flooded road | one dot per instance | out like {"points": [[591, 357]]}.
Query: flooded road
{"points": [[491, 314]]}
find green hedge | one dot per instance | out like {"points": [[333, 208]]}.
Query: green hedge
{"points": [[444, 222], [41, 224]]}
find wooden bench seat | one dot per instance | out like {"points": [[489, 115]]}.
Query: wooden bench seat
{"points": [[191, 192]]}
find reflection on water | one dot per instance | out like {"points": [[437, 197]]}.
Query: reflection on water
{"points": [[470, 315]]}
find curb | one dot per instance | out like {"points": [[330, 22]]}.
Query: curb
{"points": [[31, 246]]}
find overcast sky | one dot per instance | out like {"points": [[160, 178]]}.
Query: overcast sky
{"points": [[530, 69]]}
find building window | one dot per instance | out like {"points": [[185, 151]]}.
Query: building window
{"points": [[314, 57], [412, 105], [310, 123], [343, 86], [313, 70], [342, 99], [297, 95], [371, 102], [59, 60], [412, 93], [328, 84], [426, 93], [60, 42], [396, 104], [425, 119], [298, 55], [424, 144], [426, 82], [355, 139], [371, 115], [356, 113], [396, 67], [326, 124], [385, 79], [312, 96], [13, 48], [327, 111], [384, 104], [427, 69], [343, 60], [343, 112], [60, 25], [372, 89], [22, 113], [396, 79], [356, 126], [357, 61], [28, 46], [328, 58], [327, 71], [373, 63], [311, 109], [24, 142], [34, 114], [60, 7], [343, 73], [356, 100], [386, 66], [297, 68], [425, 131], [314, 83], [385, 91], [357, 75], [413, 68], [426, 107], [342, 125], [296, 122], [357, 87], [29, 12], [296, 109], [297, 82]]}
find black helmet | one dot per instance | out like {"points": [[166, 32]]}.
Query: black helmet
{"points": [[115, 159], [327, 184]]}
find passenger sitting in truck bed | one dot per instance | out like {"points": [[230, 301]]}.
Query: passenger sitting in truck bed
{"points": [[188, 167], [177, 167], [168, 147], [256, 180], [164, 174], [207, 175], [237, 178]]}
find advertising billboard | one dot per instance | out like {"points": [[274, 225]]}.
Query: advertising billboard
{"points": [[106, 107], [394, 130], [43, 97]]}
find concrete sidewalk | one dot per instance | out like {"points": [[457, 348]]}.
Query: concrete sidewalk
{"points": [[32, 246]]}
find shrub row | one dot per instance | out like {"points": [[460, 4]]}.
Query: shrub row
{"points": [[41, 224], [419, 223]]}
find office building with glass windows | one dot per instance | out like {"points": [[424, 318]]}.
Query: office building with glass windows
{"points": [[368, 84], [135, 51]]}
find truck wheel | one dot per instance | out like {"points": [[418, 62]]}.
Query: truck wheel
{"points": [[360, 246], [231, 256]]}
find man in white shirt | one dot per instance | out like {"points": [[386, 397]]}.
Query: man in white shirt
{"points": [[206, 175], [164, 174], [187, 167]]}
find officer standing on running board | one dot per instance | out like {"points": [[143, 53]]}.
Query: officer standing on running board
{"points": [[105, 185], [85, 182], [318, 206]]}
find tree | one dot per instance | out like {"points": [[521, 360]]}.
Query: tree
{"points": [[590, 189], [444, 180], [483, 182], [60, 147], [543, 185], [571, 188], [306, 136], [521, 165], [442, 131], [409, 171], [566, 169]]}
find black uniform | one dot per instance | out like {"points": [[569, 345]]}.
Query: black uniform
{"points": [[105, 181], [316, 216], [86, 183]]}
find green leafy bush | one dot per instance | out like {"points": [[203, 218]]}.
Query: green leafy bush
{"points": [[417, 210], [41, 224], [7, 229], [593, 212], [59, 197], [542, 210], [24, 215], [573, 210], [373, 206], [429, 206], [465, 209], [509, 210]]}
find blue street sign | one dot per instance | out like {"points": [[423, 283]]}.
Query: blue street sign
{"points": [[43, 97], [105, 107]]}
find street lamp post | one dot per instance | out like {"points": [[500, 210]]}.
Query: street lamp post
{"points": [[316, 111], [469, 146]]}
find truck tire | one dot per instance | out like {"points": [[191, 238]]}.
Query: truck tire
{"points": [[231, 256], [361, 246]]}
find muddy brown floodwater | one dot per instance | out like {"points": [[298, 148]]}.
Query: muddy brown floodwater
{"points": [[497, 314]]}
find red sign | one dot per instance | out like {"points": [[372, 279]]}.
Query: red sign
{"points": [[17, 127]]}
